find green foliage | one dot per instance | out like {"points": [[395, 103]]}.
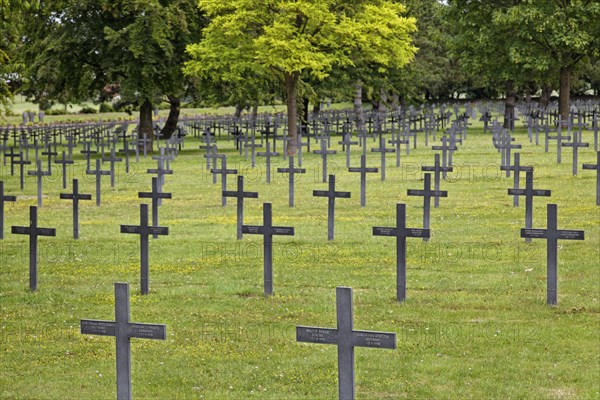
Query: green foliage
{"points": [[106, 107], [88, 110]]}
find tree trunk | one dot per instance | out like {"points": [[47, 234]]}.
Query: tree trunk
{"points": [[509, 106], [316, 109], [172, 119], [146, 129], [395, 102], [304, 116], [564, 97], [291, 90], [254, 115], [238, 111], [358, 112], [545, 95], [383, 99]]}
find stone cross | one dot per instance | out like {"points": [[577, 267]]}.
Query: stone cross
{"points": [[516, 168], [445, 148], [267, 230], [64, 161], [324, 152], [123, 331], [75, 196], [346, 339], [22, 163], [33, 232], [382, 150], [595, 167], [437, 169], [224, 172], [427, 194], [291, 171], [98, 173], [346, 143], [331, 194], [575, 144], [39, 173], [156, 197], [401, 232], [112, 159], [267, 154], [552, 234], [144, 230], [529, 193], [363, 170], [3, 198], [240, 195]]}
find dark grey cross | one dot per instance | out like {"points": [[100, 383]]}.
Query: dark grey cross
{"points": [[39, 173], [112, 159], [529, 193], [516, 168], [382, 150], [224, 172], [559, 139], [552, 234], [98, 173], [445, 148], [331, 194], [437, 170], [346, 339], [75, 196], [575, 144], [211, 154], [144, 230], [597, 168], [22, 163], [12, 155], [267, 154], [363, 178], [160, 169], [156, 197], [267, 230], [253, 145], [87, 152], [3, 199], [324, 153], [64, 161], [127, 151], [504, 144], [292, 173], [240, 195], [427, 194], [49, 153], [401, 232], [123, 331], [346, 143], [33, 232], [397, 141]]}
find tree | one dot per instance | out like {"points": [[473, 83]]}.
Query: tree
{"points": [[292, 39], [75, 48]]}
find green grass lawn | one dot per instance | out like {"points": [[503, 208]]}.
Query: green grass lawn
{"points": [[475, 324]]}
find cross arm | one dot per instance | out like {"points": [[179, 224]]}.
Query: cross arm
{"points": [[96, 327], [312, 334], [381, 340]]}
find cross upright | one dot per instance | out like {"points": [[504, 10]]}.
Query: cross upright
{"points": [[49, 153], [12, 155], [363, 178], [504, 144], [575, 144], [3, 198], [324, 153], [126, 151], [64, 161], [552, 234], [445, 148], [267, 154], [595, 167], [559, 140], [397, 141], [331, 194], [160, 169], [267, 230], [437, 170], [401, 232], [144, 230], [123, 331], [382, 150], [39, 173], [98, 173], [346, 338], [291, 171], [529, 194], [156, 195], [224, 172], [252, 145], [33, 231], [88, 152], [75, 196], [346, 143], [211, 154], [240, 195], [112, 159], [516, 168], [22, 163], [427, 194]]}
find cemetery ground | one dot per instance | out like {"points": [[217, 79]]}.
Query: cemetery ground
{"points": [[475, 323]]}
